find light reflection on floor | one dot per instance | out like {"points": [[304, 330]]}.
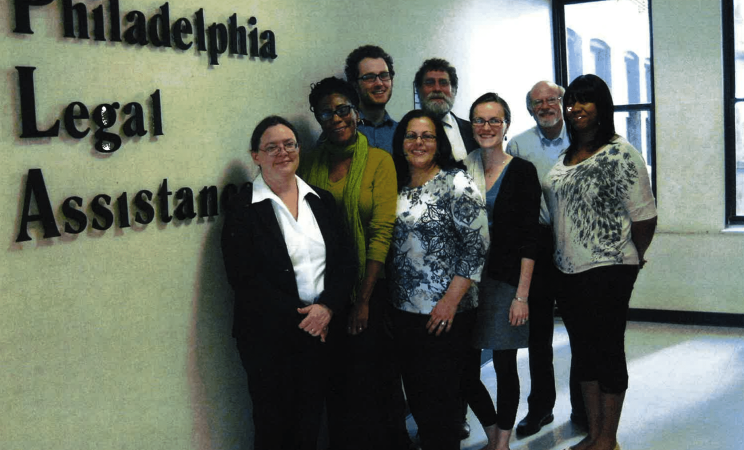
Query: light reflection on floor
{"points": [[686, 391]]}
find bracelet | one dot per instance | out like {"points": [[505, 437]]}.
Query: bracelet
{"points": [[521, 299]]}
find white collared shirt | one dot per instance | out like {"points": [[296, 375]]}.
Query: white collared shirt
{"points": [[303, 238], [453, 134]]}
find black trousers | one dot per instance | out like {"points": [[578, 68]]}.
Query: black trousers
{"points": [[366, 406], [287, 383], [542, 304], [432, 368], [594, 306]]}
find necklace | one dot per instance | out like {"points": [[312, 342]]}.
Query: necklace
{"points": [[496, 166]]}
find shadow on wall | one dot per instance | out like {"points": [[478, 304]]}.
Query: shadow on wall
{"points": [[220, 401]]}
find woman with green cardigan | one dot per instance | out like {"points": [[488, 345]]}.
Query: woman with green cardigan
{"points": [[362, 179]]}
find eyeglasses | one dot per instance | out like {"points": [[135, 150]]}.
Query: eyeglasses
{"points": [[432, 82], [426, 137], [552, 101], [371, 77], [341, 111], [273, 149], [494, 122]]}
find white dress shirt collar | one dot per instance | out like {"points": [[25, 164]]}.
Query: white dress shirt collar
{"points": [[262, 191], [302, 236], [453, 134]]}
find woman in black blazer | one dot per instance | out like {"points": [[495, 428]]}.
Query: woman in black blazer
{"points": [[511, 189], [287, 260]]}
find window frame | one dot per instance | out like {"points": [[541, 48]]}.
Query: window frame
{"points": [[729, 116], [560, 57]]}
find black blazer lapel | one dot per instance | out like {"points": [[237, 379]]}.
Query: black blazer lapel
{"points": [[321, 216], [264, 211], [466, 131]]}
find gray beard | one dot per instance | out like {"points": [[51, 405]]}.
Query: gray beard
{"points": [[548, 121], [439, 109]]}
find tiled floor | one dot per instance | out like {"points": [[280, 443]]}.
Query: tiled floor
{"points": [[686, 391]]}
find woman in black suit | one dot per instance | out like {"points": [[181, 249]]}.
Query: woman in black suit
{"points": [[286, 259], [511, 189]]}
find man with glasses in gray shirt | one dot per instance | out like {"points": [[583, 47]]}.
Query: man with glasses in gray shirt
{"points": [[543, 145]]}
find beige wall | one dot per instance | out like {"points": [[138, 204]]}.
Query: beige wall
{"points": [[121, 339], [694, 266]]}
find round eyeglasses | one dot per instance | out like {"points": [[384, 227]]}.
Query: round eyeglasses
{"points": [[274, 149]]}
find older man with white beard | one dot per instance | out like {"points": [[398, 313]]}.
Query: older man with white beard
{"points": [[436, 84], [543, 145]]}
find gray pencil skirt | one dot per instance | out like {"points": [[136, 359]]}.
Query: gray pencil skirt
{"points": [[493, 330]]}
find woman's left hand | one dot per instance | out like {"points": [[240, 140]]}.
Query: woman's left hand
{"points": [[441, 317], [518, 313], [358, 317], [317, 320]]}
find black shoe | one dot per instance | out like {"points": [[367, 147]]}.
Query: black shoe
{"points": [[532, 423], [464, 430], [406, 443], [413, 446], [580, 420]]}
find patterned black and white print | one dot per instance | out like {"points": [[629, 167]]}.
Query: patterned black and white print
{"points": [[593, 204], [441, 230]]}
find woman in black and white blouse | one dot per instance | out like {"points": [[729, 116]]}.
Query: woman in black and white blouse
{"points": [[604, 217], [436, 257]]}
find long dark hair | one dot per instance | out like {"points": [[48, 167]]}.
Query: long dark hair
{"points": [[443, 157], [591, 89]]}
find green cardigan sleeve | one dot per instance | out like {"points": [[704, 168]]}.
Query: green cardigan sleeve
{"points": [[384, 187]]}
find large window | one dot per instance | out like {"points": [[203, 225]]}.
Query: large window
{"points": [[733, 47], [611, 39]]}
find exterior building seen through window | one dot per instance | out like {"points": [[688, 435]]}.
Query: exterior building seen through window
{"points": [[612, 39]]}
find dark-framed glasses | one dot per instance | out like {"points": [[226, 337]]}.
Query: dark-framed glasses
{"points": [[431, 82], [371, 77], [341, 111], [426, 137], [493, 121], [552, 101], [274, 149]]}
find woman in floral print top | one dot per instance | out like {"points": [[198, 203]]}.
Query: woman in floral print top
{"points": [[436, 258]]}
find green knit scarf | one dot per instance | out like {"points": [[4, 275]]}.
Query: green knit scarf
{"points": [[317, 174]]}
